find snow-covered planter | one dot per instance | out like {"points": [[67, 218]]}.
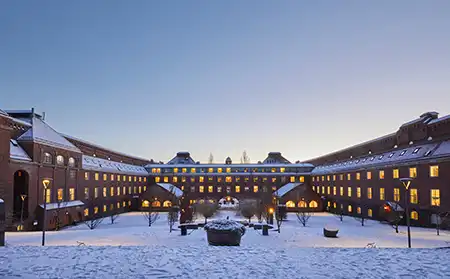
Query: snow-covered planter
{"points": [[224, 232]]}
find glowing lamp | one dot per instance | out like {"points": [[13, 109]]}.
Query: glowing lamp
{"points": [[46, 183], [271, 210]]}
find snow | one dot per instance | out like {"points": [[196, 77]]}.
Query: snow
{"points": [[286, 189], [224, 166], [131, 249], [443, 149], [225, 225], [42, 133], [1, 201], [68, 204], [98, 164], [439, 119], [170, 187], [16, 152]]}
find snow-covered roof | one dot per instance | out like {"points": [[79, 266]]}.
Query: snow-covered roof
{"points": [[101, 147], [439, 119], [171, 188], [42, 133], [250, 166], [395, 206], [283, 190], [1, 201], [16, 152], [2, 112], [443, 149], [401, 155], [67, 204], [98, 164]]}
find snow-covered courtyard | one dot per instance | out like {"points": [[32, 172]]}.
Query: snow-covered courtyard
{"points": [[131, 249]]}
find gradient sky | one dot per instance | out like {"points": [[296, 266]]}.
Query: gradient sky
{"points": [[151, 78]]}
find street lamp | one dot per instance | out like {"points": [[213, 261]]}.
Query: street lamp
{"points": [[406, 183], [46, 184], [22, 197]]}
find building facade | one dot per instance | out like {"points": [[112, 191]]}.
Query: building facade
{"points": [[89, 181]]}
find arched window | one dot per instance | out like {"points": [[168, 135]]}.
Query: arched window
{"points": [[156, 204], [414, 215], [71, 162], [302, 204], [60, 160], [167, 204], [145, 203], [48, 159], [290, 204], [313, 204]]}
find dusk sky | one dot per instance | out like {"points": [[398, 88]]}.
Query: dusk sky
{"points": [[151, 78]]}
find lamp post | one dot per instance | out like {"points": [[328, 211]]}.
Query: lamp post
{"points": [[46, 184], [22, 197], [406, 183], [438, 213]]}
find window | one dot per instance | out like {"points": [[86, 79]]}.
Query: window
{"points": [[86, 212], [228, 169], [313, 204], [381, 174], [328, 190], [86, 193], [434, 171], [134, 189], [145, 188], [282, 169], [341, 191], [167, 204], [48, 195], [96, 176], [129, 179], [435, 197], [118, 190], [349, 189], [210, 189], [175, 179], [341, 177], [349, 208], [334, 190], [96, 192], [382, 196], [414, 196], [105, 177], [124, 178], [302, 179], [334, 177], [349, 176], [166, 179], [290, 204], [96, 210], [140, 179], [201, 179], [369, 212], [358, 210], [118, 177], [395, 174], [129, 190], [219, 179], [414, 215], [328, 178], [228, 179], [358, 176], [201, 189], [358, 192], [157, 179], [71, 194], [105, 208], [323, 178], [71, 162], [48, 159], [302, 204], [397, 194], [413, 172], [237, 189], [255, 189], [145, 179], [111, 177], [369, 175], [60, 194], [219, 170], [105, 192], [111, 191], [314, 188], [219, 189], [111, 206], [416, 150], [86, 176], [369, 193]]}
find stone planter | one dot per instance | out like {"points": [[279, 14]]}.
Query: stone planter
{"points": [[224, 233]]}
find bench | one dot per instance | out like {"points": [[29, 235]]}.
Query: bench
{"points": [[187, 226]]}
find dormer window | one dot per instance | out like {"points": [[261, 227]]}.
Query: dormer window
{"points": [[381, 157], [403, 153], [416, 150], [365, 159], [371, 159], [428, 152], [392, 154]]}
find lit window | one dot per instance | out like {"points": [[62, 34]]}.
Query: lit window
{"points": [[349, 176], [313, 188], [111, 206], [86, 193], [157, 179], [302, 204], [71, 162], [174, 179], [382, 196], [412, 172], [255, 189], [183, 170], [349, 189], [219, 179], [167, 204], [334, 190], [414, 215], [328, 178], [358, 176], [145, 179], [166, 179], [96, 176], [210, 189], [47, 195], [129, 203], [381, 174], [237, 189], [112, 177], [290, 204], [358, 192], [156, 204], [129, 190], [201, 188], [341, 177], [323, 178], [96, 192], [86, 176], [228, 169], [219, 170], [210, 170], [282, 169], [228, 179], [435, 197], [349, 208], [434, 171], [86, 212], [369, 193], [134, 189], [201, 179], [313, 204], [175, 170], [323, 189], [105, 192], [124, 190], [124, 178], [96, 210], [60, 194], [71, 194], [369, 212], [111, 191], [105, 208], [341, 191], [118, 177], [369, 175], [328, 190], [219, 189], [302, 179], [397, 194], [334, 177], [414, 196], [105, 177], [358, 210], [129, 178], [118, 190], [140, 179]]}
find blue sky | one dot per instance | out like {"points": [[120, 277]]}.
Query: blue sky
{"points": [[151, 78]]}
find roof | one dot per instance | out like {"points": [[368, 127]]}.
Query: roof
{"points": [[2, 112], [50, 206], [283, 190], [299, 165], [98, 164], [101, 147], [171, 188], [1, 201], [16, 152], [439, 119], [42, 133]]}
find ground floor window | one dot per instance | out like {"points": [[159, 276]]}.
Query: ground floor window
{"points": [[369, 212], [86, 212], [156, 204], [167, 204], [414, 215], [290, 204], [302, 204], [313, 204]]}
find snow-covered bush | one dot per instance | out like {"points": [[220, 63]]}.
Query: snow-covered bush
{"points": [[224, 225]]}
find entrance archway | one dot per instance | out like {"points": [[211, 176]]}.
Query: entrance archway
{"points": [[21, 179], [228, 203]]}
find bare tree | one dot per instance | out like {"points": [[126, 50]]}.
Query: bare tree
{"points": [[339, 213], [113, 217], [260, 211], [57, 214], [360, 219], [303, 217], [206, 209], [93, 223], [172, 217], [244, 158], [210, 158], [151, 216], [393, 214], [248, 209], [280, 214]]}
